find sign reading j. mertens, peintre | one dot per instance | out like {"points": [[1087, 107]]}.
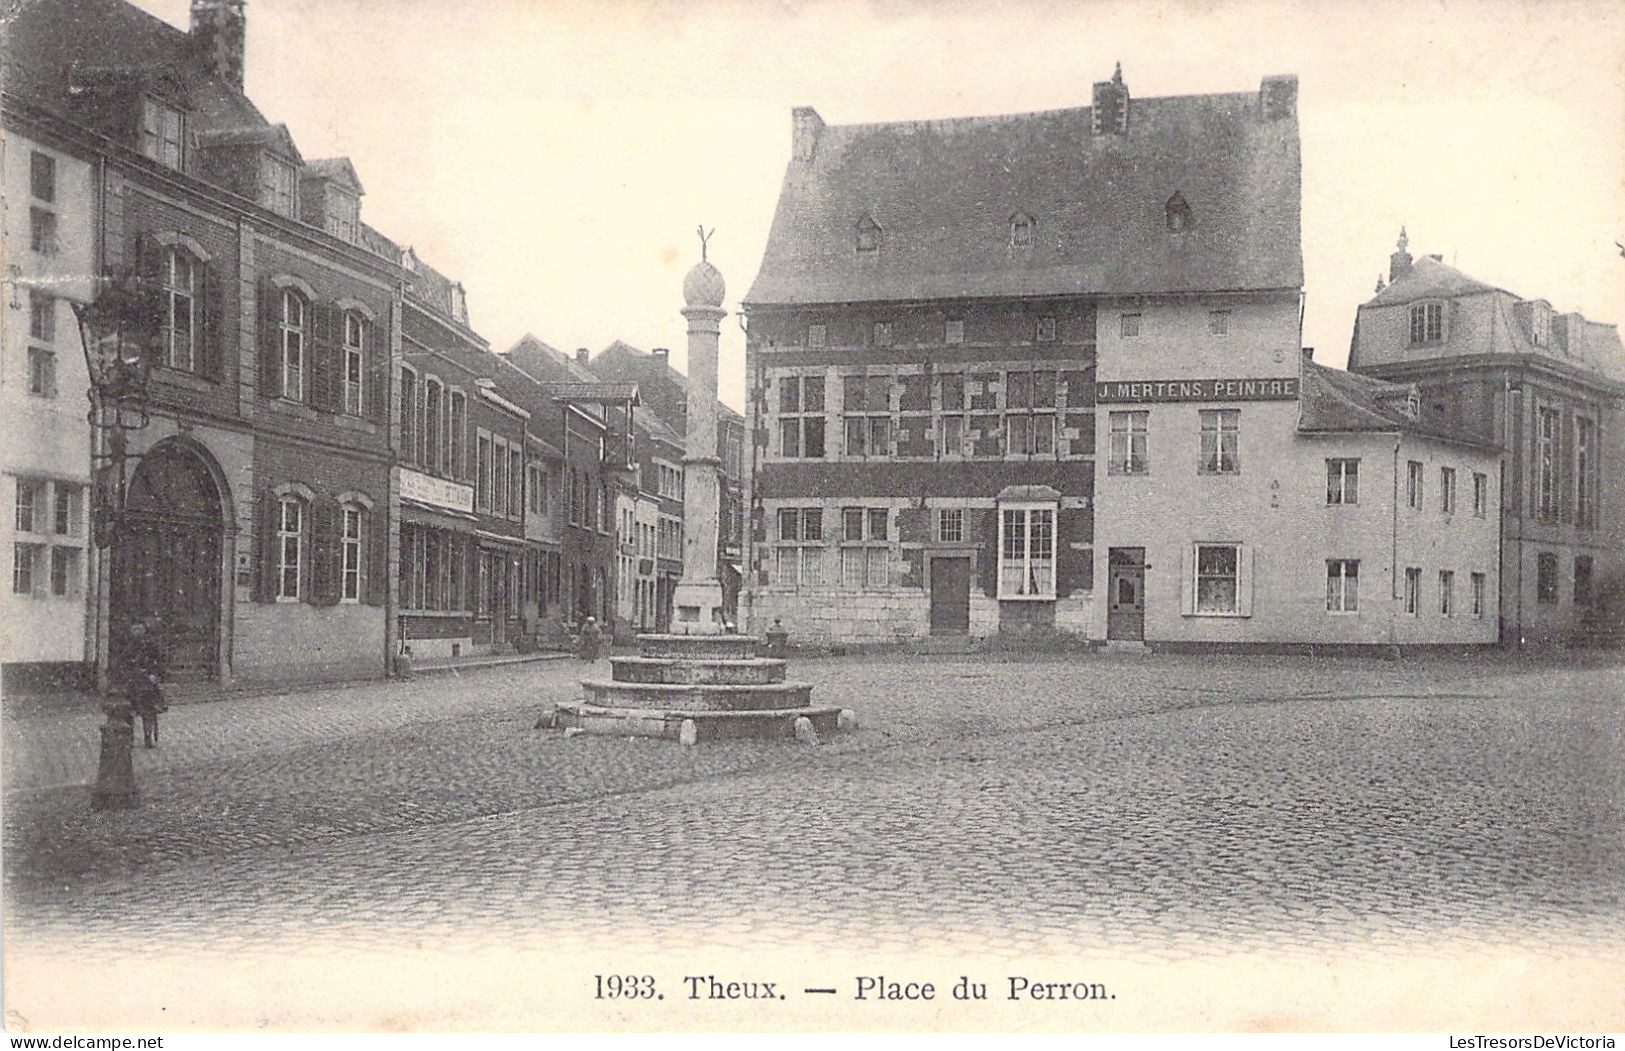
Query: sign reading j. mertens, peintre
{"points": [[437, 492], [1283, 388]]}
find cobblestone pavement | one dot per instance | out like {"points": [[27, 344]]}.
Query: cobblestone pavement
{"points": [[1163, 805]]}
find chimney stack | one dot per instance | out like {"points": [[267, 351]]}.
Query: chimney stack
{"points": [[1399, 264], [805, 127], [1278, 96], [1109, 113], [581, 355], [663, 353], [1308, 353], [219, 30]]}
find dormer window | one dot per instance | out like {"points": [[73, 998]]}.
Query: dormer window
{"points": [[868, 235], [279, 184], [1540, 324], [1178, 214], [343, 216], [1427, 322], [459, 303], [163, 133], [1022, 229]]}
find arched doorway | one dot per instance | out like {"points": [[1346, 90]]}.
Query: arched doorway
{"points": [[166, 561]]}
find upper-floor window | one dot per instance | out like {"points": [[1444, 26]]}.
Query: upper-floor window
{"points": [[1585, 472], [482, 474], [42, 177], [801, 417], [163, 133], [279, 184], [1130, 432], [409, 415], [1177, 213], [1342, 481], [1427, 322], [291, 331], [882, 333], [951, 424], [516, 482], [457, 436], [1447, 490], [42, 372], [1218, 322], [355, 351], [42, 231], [1221, 441], [953, 332], [1413, 484], [1046, 329], [433, 404], [1129, 326], [817, 336], [1022, 229], [866, 403], [1029, 419], [181, 272], [1546, 490], [41, 316], [868, 235], [1027, 551], [1481, 494]]}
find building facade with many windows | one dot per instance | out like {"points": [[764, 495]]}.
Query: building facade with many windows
{"points": [[1547, 387], [923, 345]]}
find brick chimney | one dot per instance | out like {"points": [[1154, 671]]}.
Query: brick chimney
{"points": [[1399, 264], [219, 29], [662, 354], [581, 355], [805, 127], [1278, 97], [1109, 113]]}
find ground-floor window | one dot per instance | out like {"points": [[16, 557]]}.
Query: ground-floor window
{"points": [[799, 556], [353, 543], [1413, 590], [950, 525], [1218, 578], [1447, 593], [432, 569], [865, 548], [1478, 595], [1546, 578], [1582, 579], [1342, 585], [1027, 551]]}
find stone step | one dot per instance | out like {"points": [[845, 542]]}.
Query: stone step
{"points": [[738, 672], [773, 723], [697, 697], [713, 647]]}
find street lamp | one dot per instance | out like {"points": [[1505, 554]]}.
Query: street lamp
{"points": [[118, 331]]}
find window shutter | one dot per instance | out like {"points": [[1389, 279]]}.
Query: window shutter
{"points": [[149, 269], [270, 349], [211, 303], [269, 506], [321, 540], [989, 554], [375, 534], [373, 360], [471, 572], [1244, 580], [1187, 579], [321, 358]]}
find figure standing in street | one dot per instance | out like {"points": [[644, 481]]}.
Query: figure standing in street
{"points": [[587, 645], [143, 680]]}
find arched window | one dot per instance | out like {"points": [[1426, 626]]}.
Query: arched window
{"points": [[290, 541], [352, 552], [868, 235], [293, 321], [1178, 214], [355, 351], [1022, 230], [182, 278]]}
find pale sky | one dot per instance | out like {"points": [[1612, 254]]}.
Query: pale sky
{"points": [[556, 157]]}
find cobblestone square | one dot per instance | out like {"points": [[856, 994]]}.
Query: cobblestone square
{"points": [[1160, 808]]}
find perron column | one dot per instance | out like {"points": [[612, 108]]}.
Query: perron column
{"points": [[697, 604]]}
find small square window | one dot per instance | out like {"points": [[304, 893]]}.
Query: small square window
{"points": [[816, 335], [954, 332], [1218, 322], [42, 177], [882, 333], [1046, 329], [951, 525], [1130, 326]]}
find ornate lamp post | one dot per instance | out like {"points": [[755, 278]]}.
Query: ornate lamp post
{"points": [[118, 332]]}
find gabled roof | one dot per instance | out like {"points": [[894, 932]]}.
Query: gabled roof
{"points": [[272, 137], [543, 361], [624, 360], [596, 393], [659, 429], [1429, 278], [1332, 401], [943, 194], [339, 170]]}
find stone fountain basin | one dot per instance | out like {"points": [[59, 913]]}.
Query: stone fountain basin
{"points": [[708, 725], [697, 697], [747, 671]]}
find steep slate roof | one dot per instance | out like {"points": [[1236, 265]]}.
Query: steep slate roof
{"points": [[539, 359], [1430, 278], [51, 44], [944, 193], [338, 169], [1332, 401], [622, 359]]}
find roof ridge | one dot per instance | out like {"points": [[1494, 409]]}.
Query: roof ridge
{"points": [[1026, 114]]}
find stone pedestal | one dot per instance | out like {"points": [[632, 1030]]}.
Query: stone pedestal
{"points": [[696, 688]]}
